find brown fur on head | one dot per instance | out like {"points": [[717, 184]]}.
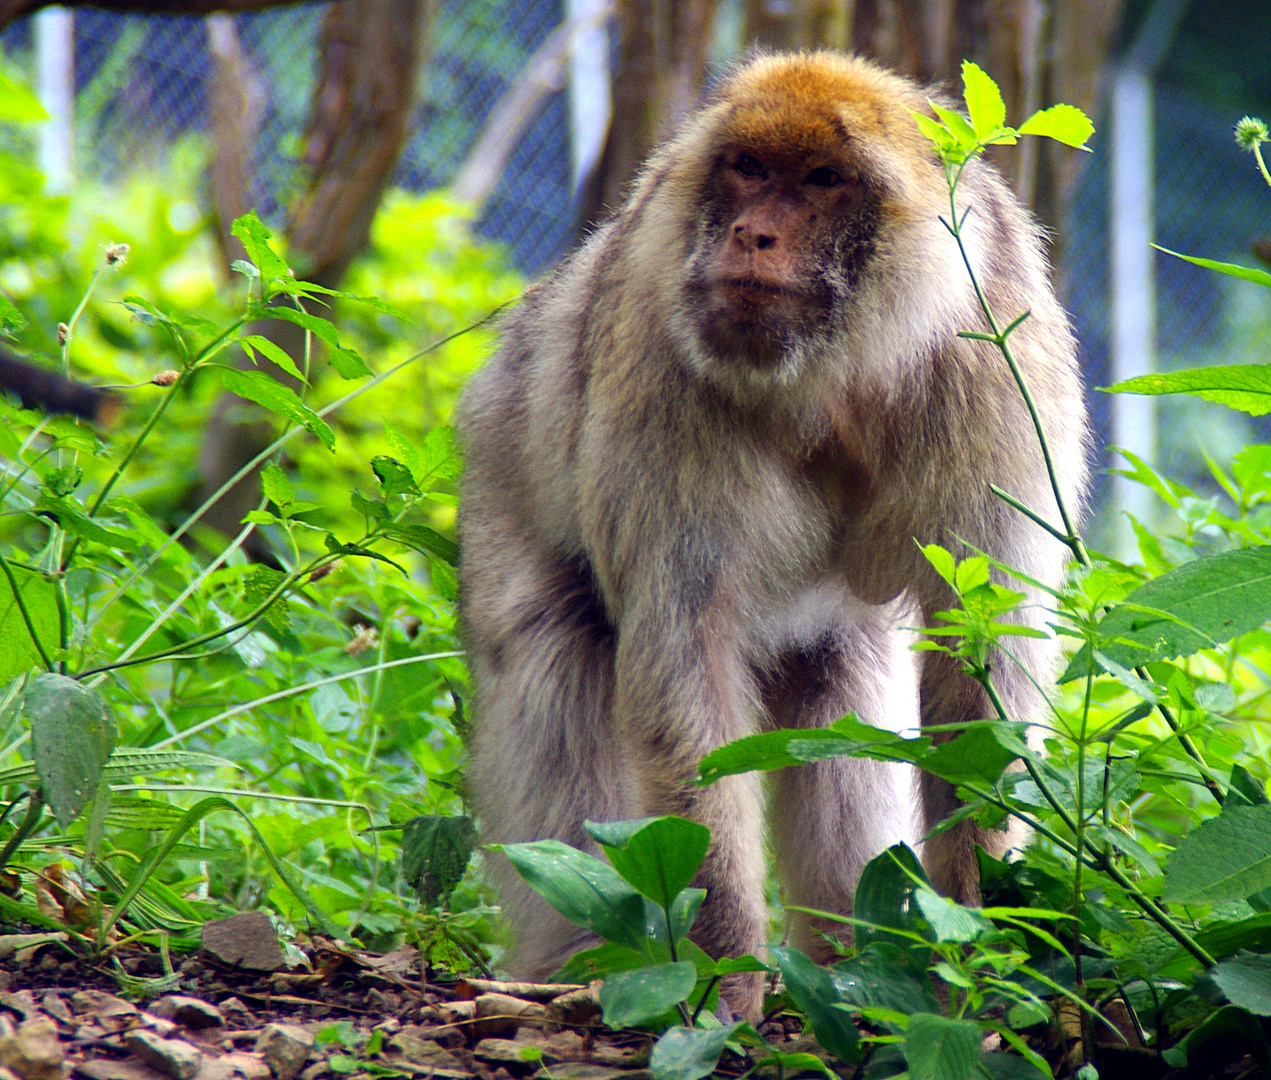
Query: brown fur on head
{"points": [[695, 474]]}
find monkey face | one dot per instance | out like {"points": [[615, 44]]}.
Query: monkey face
{"points": [[787, 225]]}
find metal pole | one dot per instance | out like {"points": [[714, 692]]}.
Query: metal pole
{"points": [[1133, 228], [590, 99], [55, 79]]}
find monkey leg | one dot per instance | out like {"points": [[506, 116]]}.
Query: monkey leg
{"points": [[948, 697], [828, 819], [672, 714], [544, 758]]}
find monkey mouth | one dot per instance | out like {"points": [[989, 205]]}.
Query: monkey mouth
{"points": [[756, 285]]}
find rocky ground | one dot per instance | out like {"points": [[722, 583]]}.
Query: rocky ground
{"points": [[236, 1012]]}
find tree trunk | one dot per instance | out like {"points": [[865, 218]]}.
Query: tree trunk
{"points": [[663, 47], [370, 54]]}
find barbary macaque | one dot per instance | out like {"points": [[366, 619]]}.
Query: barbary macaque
{"points": [[698, 472]]}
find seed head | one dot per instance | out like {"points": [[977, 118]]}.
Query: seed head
{"points": [[364, 638], [1251, 133], [117, 254], [166, 378], [63, 333]]}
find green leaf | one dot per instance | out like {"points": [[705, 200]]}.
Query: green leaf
{"points": [[11, 319], [957, 124], [1246, 980], [375, 509], [656, 856], [883, 975], [258, 387], [422, 538], [347, 363], [950, 921], [684, 911], [588, 892], [1245, 273], [598, 963], [1231, 1024], [979, 755], [394, 477], [1002, 1066], [1065, 123], [629, 998], [937, 1048], [71, 739], [435, 853], [983, 100], [260, 584], [18, 105], [688, 1053], [812, 989], [19, 654], [886, 896], [1246, 387], [276, 486], [255, 237], [253, 343], [73, 520], [1195, 606], [1225, 858], [1243, 782], [792, 1064]]}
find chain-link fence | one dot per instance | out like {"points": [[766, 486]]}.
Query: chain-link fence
{"points": [[142, 90]]}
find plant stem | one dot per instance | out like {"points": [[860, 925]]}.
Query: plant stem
{"points": [[26, 616], [34, 811]]}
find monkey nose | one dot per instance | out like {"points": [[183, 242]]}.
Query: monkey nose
{"points": [[753, 239]]}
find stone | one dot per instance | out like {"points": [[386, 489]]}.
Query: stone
{"points": [[175, 1057], [246, 941], [285, 1048], [189, 1012], [34, 1051]]}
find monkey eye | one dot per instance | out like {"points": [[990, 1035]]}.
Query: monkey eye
{"points": [[823, 177], [750, 167]]}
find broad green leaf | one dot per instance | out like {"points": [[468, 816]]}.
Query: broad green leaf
{"points": [[1243, 782], [435, 853], [1246, 980], [422, 538], [393, 476], [18, 105], [1231, 1024], [254, 343], [886, 897], [983, 100], [73, 520], [792, 1064], [39, 595], [1228, 938], [813, 990], [950, 921], [588, 892], [347, 363], [599, 963], [1246, 387], [945, 141], [629, 998], [255, 237], [1065, 123], [258, 387], [684, 911], [1245, 273], [656, 856], [276, 486], [847, 737], [1225, 858], [978, 755], [937, 1048], [1002, 1066], [884, 976], [689, 1053], [957, 124], [1195, 606], [71, 739], [11, 319], [258, 586]]}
